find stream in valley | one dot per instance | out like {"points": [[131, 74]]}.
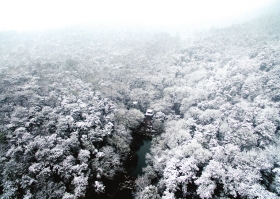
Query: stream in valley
{"points": [[141, 153]]}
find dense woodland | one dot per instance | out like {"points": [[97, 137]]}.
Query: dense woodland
{"points": [[71, 98]]}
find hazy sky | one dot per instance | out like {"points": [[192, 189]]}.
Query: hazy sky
{"points": [[45, 14]]}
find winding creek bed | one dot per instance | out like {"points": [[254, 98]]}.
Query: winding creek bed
{"points": [[144, 149]]}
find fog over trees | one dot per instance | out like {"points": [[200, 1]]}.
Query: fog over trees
{"points": [[71, 98]]}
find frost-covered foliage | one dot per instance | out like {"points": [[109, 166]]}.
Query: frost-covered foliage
{"points": [[226, 142], [54, 134]]}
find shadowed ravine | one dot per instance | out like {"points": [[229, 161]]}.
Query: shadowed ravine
{"points": [[144, 149]]}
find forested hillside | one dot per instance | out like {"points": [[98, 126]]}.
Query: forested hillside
{"points": [[226, 142], [71, 98]]}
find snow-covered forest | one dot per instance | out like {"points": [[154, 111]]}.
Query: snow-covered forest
{"points": [[71, 98]]}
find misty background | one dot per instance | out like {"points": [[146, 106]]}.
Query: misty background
{"points": [[169, 15]]}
